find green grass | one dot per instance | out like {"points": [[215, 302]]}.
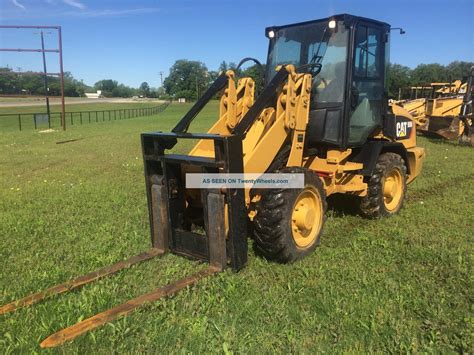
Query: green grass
{"points": [[9, 115], [402, 284]]}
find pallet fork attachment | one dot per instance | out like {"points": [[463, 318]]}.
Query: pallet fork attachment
{"points": [[78, 282], [223, 213], [111, 314]]}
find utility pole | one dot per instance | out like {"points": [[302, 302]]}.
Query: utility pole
{"points": [[61, 77], [20, 78], [46, 88], [161, 77], [197, 89]]}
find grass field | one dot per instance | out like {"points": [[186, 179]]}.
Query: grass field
{"points": [[402, 284]]}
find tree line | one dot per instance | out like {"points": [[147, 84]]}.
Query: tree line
{"points": [[189, 79], [32, 84], [402, 77]]}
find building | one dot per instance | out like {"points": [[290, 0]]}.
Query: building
{"points": [[94, 95]]}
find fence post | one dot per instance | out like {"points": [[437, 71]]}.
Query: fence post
{"points": [[72, 121], [19, 121], [34, 119], [89, 116], [81, 118], [96, 117]]}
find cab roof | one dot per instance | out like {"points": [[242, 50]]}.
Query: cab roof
{"points": [[347, 18]]}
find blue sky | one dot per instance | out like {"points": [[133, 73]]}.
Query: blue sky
{"points": [[132, 41]]}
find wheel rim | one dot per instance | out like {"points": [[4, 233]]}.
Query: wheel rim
{"points": [[306, 218], [393, 190]]}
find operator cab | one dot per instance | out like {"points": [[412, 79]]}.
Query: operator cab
{"points": [[347, 56]]}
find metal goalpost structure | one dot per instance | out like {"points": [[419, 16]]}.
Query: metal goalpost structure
{"points": [[44, 73]]}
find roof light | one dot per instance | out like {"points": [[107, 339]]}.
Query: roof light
{"points": [[271, 34], [332, 24]]}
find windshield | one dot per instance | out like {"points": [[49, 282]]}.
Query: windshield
{"points": [[309, 44]]}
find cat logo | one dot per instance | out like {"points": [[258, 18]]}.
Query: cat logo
{"points": [[403, 129]]}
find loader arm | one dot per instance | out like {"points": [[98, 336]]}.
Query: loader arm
{"points": [[265, 127]]}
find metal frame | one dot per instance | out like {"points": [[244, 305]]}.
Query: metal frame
{"points": [[59, 50], [166, 200]]}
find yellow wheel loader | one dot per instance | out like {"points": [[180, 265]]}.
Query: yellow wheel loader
{"points": [[440, 98], [323, 114], [448, 113], [451, 117]]}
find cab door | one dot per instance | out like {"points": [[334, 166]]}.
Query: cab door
{"points": [[367, 84]]}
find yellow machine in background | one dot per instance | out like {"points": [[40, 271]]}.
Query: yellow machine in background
{"points": [[442, 114], [419, 105], [451, 117]]}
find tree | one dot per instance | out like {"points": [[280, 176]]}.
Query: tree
{"points": [[144, 89], [430, 73], [107, 86], [223, 67], [257, 74], [398, 77], [123, 91], [187, 79], [458, 70], [9, 83]]}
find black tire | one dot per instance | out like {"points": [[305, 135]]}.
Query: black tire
{"points": [[272, 225], [374, 204]]}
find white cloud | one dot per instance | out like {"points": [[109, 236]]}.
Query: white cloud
{"points": [[116, 12], [86, 13], [75, 3], [17, 4]]}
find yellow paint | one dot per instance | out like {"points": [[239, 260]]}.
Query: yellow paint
{"points": [[307, 217], [393, 190]]}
